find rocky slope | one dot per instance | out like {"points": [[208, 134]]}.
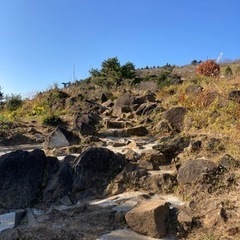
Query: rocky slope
{"points": [[129, 160]]}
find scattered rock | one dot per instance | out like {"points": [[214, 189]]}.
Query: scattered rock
{"points": [[163, 127], [228, 162], [58, 138], [115, 124], [148, 218], [193, 89], [19, 215], [152, 159], [122, 105], [21, 177], [137, 131], [175, 116], [86, 124], [131, 155], [196, 171], [95, 167], [146, 108], [171, 147], [86, 129], [60, 183], [234, 95], [17, 139]]}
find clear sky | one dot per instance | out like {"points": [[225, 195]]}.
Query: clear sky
{"points": [[42, 40]]}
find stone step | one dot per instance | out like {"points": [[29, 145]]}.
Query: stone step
{"points": [[127, 234]]}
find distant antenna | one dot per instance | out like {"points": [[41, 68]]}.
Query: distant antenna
{"points": [[219, 57]]}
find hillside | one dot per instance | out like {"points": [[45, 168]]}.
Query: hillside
{"points": [[177, 130], [207, 99]]}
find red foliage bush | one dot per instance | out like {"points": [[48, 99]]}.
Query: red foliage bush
{"points": [[208, 68]]}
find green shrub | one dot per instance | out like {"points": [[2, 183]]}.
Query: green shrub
{"points": [[51, 120], [5, 123], [228, 72], [13, 102]]}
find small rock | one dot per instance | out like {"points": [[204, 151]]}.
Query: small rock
{"points": [[65, 201], [228, 162]]}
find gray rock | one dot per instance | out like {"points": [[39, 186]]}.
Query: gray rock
{"points": [[56, 139], [86, 124], [137, 131], [146, 108], [172, 147], [60, 181], [148, 218], [228, 162], [175, 116], [196, 171], [193, 89], [95, 168]]}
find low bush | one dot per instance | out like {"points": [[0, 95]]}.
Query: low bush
{"points": [[13, 102], [208, 68], [51, 120]]}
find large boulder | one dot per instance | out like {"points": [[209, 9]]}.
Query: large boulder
{"points": [[171, 147], [175, 116], [122, 104], [86, 129], [58, 138], [86, 124], [148, 218], [151, 159], [21, 177], [196, 171], [60, 180], [17, 139], [146, 108], [95, 168]]}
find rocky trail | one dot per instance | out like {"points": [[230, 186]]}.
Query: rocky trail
{"points": [[122, 179]]}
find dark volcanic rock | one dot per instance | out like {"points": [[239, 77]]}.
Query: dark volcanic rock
{"points": [[172, 147], [196, 171], [17, 139], [95, 168], [137, 131], [86, 124], [228, 162], [146, 108], [175, 116], [122, 104], [234, 95], [86, 129], [21, 177], [60, 182]]}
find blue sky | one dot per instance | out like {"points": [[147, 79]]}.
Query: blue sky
{"points": [[41, 40]]}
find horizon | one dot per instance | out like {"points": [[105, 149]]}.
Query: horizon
{"points": [[46, 43]]}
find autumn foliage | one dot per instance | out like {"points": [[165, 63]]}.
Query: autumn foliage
{"points": [[208, 68]]}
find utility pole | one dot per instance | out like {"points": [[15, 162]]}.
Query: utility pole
{"points": [[74, 77]]}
